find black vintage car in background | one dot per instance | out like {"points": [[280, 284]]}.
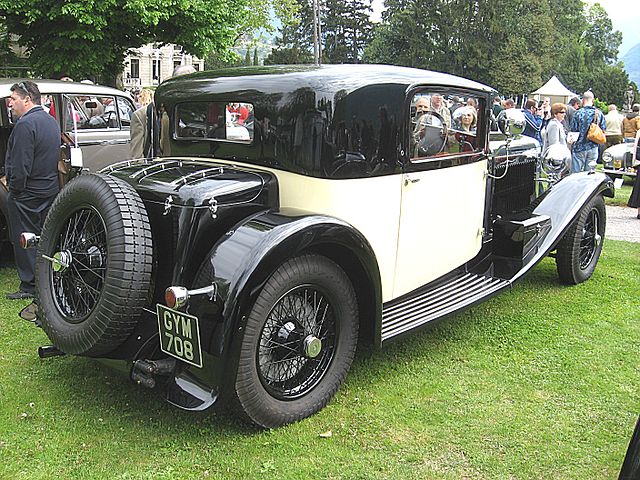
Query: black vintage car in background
{"points": [[299, 210]]}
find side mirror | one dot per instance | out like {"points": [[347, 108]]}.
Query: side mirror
{"points": [[511, 122]]}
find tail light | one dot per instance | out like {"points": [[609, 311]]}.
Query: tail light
{"points": [[28, 240], [176, 297]]}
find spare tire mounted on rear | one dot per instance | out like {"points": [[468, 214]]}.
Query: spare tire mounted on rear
{"points": [[97, 277]]}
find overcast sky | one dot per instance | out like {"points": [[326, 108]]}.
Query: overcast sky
{"points": [[625, 15]]}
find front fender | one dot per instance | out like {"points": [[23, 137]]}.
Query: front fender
{"points": [[241, 262], [562, 203]]}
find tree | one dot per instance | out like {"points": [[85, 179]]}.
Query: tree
{"points": [[513, 45], [345, 26], [601, 39], [294, 44], [255, 56], [87, 38], [8, 58], [346, 29], [472, 38]]}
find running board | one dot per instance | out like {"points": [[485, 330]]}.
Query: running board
{"points": [[457, 294]]}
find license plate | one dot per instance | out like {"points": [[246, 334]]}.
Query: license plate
{"points": [[179, 335]]}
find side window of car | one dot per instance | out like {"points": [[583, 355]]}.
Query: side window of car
{"points": [[232, 121], [8, 112], [90, 112], [442, 123], [125, 110], [109, 116], [48, 104]]}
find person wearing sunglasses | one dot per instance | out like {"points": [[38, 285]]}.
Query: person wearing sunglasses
{"points": [[555, 132], [31, 167]]}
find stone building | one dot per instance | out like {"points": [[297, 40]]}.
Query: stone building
{"points": [[150, 64]]}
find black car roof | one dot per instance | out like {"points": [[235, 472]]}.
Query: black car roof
{"points": [[328, 79]]}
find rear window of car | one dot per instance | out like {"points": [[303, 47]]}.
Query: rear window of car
{"points": [[227, 121]]}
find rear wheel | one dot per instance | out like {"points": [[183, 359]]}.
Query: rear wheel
{"points": [[299, 342], [579, 250]]}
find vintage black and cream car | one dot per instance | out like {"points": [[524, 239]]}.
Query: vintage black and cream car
{"points": [[299, 210]]}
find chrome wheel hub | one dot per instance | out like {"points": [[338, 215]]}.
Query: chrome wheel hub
{"points": [[312, 346]]}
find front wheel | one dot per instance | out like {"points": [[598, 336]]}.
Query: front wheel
{"points": [[299, 342], [579, 250]]}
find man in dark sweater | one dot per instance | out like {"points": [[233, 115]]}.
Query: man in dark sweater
{"points": [[31, 167]]}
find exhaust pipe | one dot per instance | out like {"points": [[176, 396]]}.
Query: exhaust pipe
{"points": [[47, 351]]}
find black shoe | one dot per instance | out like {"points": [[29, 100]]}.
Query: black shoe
{"points": [[19, 295], [30, 313]]}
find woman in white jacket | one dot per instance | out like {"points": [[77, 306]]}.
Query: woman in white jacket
{"points": [[554, 132]]}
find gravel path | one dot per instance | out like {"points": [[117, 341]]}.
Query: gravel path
{"points": [[622, 224]]}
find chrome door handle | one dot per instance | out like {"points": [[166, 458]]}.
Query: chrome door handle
{"points": [[408, 180]]}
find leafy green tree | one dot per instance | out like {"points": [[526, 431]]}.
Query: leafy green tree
{"points": [[500, 42], [602, 40], [247, 57], [513, 45], [87, 38], [609, 83], [288, 56], [255, 56]]}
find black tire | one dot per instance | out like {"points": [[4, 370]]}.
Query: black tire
{"points": [[277, 383], [99, 226], [579, 250]]}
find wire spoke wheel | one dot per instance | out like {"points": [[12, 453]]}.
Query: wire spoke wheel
{"points": [[79, 268], [590, 238], [579, 250], [297, 342]]}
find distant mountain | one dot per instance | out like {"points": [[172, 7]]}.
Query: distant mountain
{"points": [[632, 63]]}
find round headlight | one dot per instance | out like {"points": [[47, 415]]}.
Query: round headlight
{"points": [[607, 157]]}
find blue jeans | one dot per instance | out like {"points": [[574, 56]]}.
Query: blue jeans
{"points": [[580, 160]]}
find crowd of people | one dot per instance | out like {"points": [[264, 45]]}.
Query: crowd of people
{"points": [[570, 125]]}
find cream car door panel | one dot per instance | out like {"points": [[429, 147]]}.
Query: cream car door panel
{"points": [[449, 232]]}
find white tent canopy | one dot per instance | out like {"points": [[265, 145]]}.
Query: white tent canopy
{"points": [[555, 90]]}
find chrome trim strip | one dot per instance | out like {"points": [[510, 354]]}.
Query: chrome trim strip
{"points": [[155, 168], [124, 164], [208, 172]]}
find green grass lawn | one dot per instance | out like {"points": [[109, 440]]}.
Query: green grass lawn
{"points": [[541, 382], [622, 195]]}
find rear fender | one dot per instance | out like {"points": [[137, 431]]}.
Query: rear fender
{"points": [[241, 262]]}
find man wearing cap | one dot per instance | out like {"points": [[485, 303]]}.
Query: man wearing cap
{"points": [[31, 167]]}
